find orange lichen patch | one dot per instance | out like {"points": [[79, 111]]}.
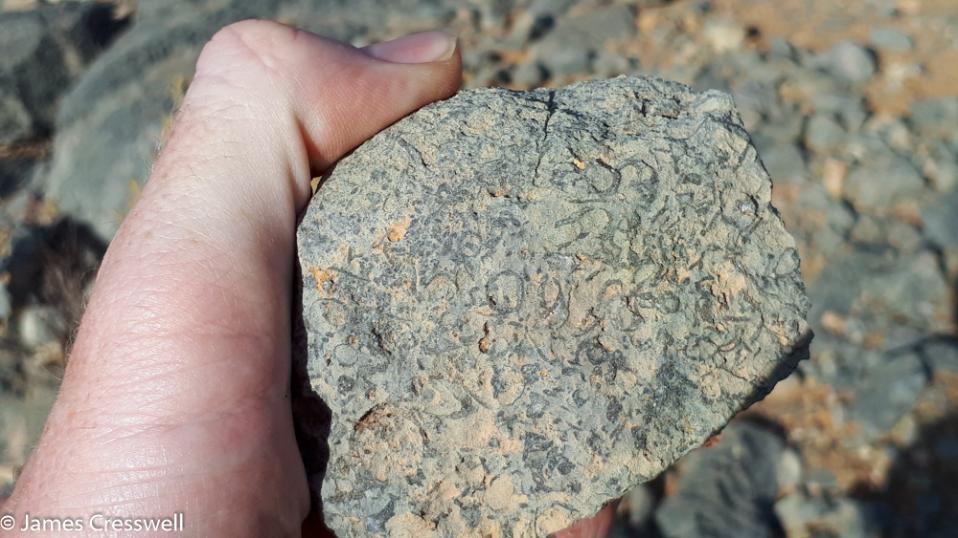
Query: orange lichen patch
{"points": [[578, 163], [322, 276], [398, 230], [806, 409]]}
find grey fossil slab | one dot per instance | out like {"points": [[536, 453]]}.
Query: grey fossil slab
{"points": [[520, 305]]}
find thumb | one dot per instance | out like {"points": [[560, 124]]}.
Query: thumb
{"points": [[175, 391], [337, 95]]}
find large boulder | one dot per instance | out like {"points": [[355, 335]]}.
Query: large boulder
{"points": [[517, 306], [44, 49]]}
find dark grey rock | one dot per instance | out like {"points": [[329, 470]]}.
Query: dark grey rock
{"points": [[44, 49], [126, 97], [885, 393], [784, 161], [520, 305], [729, 490], [893, 302]]}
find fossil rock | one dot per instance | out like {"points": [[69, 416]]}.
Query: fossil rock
{"points": [[520, 305]]}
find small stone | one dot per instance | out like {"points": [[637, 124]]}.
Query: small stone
{"points": [[789, 474], [881, 181], [528, 75], [639, 505], [935, 118], [39, 325], [941, 168], [848, 61], [885, 393], [781, 49], [823, 134], [890, 39], [785, 163], [724, 35], [833, 177], [522, 332], [804, 515]]}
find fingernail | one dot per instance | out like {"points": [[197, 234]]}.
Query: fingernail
{"points": [[424, 47]]}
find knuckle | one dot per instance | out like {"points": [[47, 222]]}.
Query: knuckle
{"points": [[246, 46]]}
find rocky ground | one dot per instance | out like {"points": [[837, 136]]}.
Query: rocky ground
{"points": [[853, 106]]}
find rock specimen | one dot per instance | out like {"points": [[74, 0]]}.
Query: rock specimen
{"points": [[519, 305]]}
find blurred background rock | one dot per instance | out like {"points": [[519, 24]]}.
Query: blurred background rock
{"points": [[853, 105]]}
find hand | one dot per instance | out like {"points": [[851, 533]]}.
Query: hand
{"points": [[176, 397]]}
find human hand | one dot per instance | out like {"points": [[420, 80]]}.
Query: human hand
{"points": [[175, 398]]}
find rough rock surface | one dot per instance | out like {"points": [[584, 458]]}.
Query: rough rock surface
{"points": [[520, 305]]}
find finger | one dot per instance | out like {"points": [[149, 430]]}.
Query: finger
{"points": [[175, 393]]}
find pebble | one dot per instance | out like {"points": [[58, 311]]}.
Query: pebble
{"points": [[885, 393], [824, 135], [784, 162], [802, 515], [724, 35], [890, 39], [848, 61], [882, 180], [39, 325]]}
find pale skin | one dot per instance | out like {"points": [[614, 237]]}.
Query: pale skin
{"points": [[176, 396]]}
